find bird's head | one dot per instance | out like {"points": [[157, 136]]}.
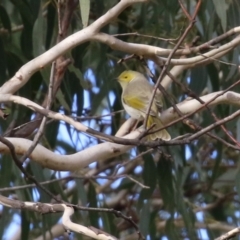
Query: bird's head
{"points": [[126, 77]]}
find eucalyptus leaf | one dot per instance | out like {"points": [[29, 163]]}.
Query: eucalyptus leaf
{"points": [[85, 9], [221, 7]]}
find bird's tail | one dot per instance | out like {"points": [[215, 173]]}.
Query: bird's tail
{"points": [[162, 134]]}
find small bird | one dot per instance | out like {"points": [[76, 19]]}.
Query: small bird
{"points": [[136, 95]]}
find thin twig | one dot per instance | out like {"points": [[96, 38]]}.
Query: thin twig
{"points": [[204, 104], [116, 213], [146, 36], [165, 66], [22, 169], [185, 11], [59, 6], [97, 117], [231, 234], [39, 134]]}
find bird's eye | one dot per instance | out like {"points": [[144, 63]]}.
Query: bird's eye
{"points": [[125, 77]]}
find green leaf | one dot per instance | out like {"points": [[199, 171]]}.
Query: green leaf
{"points": [[234, 65], [92, 200], [238, 130], [170, 229], [39, 176], [24, 8], [215, 170], [149, 175], [79, 75], [73, 88], [214, 77], [61, 98], [4, 19], [145, 218], [82, 195], [51, 133], [198, 79], [237, 181], [3, 65], [48, 222], [14, 62], [108, 223], [226, 178], [6, 164], [6, 220], [38, 35], [51, 20], [35, 6], [25, 226], [187, 214], [152, 224], [166, 183], [221, 7], [27, 17], [85, 9]]}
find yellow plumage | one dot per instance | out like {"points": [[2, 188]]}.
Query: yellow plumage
{"points": [[136, 95]]}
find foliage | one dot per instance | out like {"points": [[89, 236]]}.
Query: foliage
{"points": [[193, 188]]}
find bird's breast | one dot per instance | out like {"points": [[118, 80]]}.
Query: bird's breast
{"points": [[134, 113]]}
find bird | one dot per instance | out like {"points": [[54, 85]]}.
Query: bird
{"points": [[136, 96]]}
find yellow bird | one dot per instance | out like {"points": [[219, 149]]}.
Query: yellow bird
{"points": [[136, 95]]}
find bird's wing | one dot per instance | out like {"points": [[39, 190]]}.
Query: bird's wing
{"points": [[142, 91], [140, 103]]}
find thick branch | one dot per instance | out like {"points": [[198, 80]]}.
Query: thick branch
{"points": [[68, 211], [86, 34], [105, 150]]}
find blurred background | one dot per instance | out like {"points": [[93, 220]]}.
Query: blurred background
{"points": [[193, 189]]}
